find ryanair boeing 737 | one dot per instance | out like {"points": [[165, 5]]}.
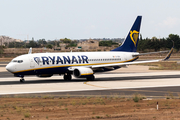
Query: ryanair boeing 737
{"points": [[80, 64]]}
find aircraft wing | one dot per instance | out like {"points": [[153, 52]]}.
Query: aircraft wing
{"points": [[123, 64], [140, 54], [154, 52], [130, 63]]}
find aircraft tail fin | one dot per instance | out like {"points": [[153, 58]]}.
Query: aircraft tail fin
{"points": [[131, 41]]}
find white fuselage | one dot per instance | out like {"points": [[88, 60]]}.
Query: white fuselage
{"points": [[45, 61]]}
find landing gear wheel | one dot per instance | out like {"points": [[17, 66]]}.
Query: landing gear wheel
{"points": [[22, 80], [67, 77], [91, 78]]}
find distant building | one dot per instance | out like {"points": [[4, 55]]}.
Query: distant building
{"points": [[6, 39], [18, 40], [88, 45], [63, 46]]}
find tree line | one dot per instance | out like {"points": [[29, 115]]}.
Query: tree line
{"points": [[156, 44], [35, 44], [147, 44], [107, 43], [41, 43]]}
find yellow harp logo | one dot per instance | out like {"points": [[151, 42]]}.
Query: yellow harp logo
{"points": [[134, 36]]}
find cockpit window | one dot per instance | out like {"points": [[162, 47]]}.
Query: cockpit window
{"points": [[18, 61]]}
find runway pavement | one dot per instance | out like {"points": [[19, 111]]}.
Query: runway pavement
{"points": [[151, 84], [121, 82]]}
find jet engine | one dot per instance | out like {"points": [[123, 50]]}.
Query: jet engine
{"points": [[82, 72]]}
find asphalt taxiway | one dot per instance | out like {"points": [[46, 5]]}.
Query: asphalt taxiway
{"points": [[123, 82]]}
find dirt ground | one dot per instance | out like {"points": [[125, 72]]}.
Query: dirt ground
{"points": [[49, 108]]}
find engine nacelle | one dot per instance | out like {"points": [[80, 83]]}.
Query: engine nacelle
{"points": [[82, 72], [44, 75]]}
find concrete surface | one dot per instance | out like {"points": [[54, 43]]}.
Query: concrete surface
{"points": [[124, 79], [113, 81]]}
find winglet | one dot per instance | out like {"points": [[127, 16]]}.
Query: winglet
{"points": [[30, 50], [169, 54]]}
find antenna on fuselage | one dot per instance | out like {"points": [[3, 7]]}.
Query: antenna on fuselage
{"points": [[30, 50]]}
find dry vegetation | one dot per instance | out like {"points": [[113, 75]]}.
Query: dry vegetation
{"points": [[164, 65], [88, 108]]}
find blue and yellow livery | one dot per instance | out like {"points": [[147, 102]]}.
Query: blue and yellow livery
{"points": [[80, 64]]}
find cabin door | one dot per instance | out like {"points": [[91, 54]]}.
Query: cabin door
{"points": [[32, 63]]}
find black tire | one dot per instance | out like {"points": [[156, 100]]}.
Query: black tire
{"points": [[67, 77], [91, 78], [22, 80], [88, 79]]}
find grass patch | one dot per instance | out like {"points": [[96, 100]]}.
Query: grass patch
{"points": [[137, 97], [169, 95], [27, 115], [163, 65], [15, 107], [137, 105], [48, 97], [98, 117]]}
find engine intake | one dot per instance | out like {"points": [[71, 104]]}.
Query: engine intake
{"points": [[82, 72]]}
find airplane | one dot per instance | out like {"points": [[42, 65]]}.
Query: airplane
{"points": [[81, 64]]}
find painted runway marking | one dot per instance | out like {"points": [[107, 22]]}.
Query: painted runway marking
{"points": [[87, 83]]}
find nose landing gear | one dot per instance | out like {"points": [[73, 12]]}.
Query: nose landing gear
{"points": [[22, 77], [22, 80]]}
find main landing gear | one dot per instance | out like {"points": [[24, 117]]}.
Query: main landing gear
{"points": [[67, 76], [22, 80], [91, 78]]}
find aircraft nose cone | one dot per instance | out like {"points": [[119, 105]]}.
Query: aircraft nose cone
{"points": [[9, 67]]}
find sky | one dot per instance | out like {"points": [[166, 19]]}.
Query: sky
{"points": [[84, 19]]}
